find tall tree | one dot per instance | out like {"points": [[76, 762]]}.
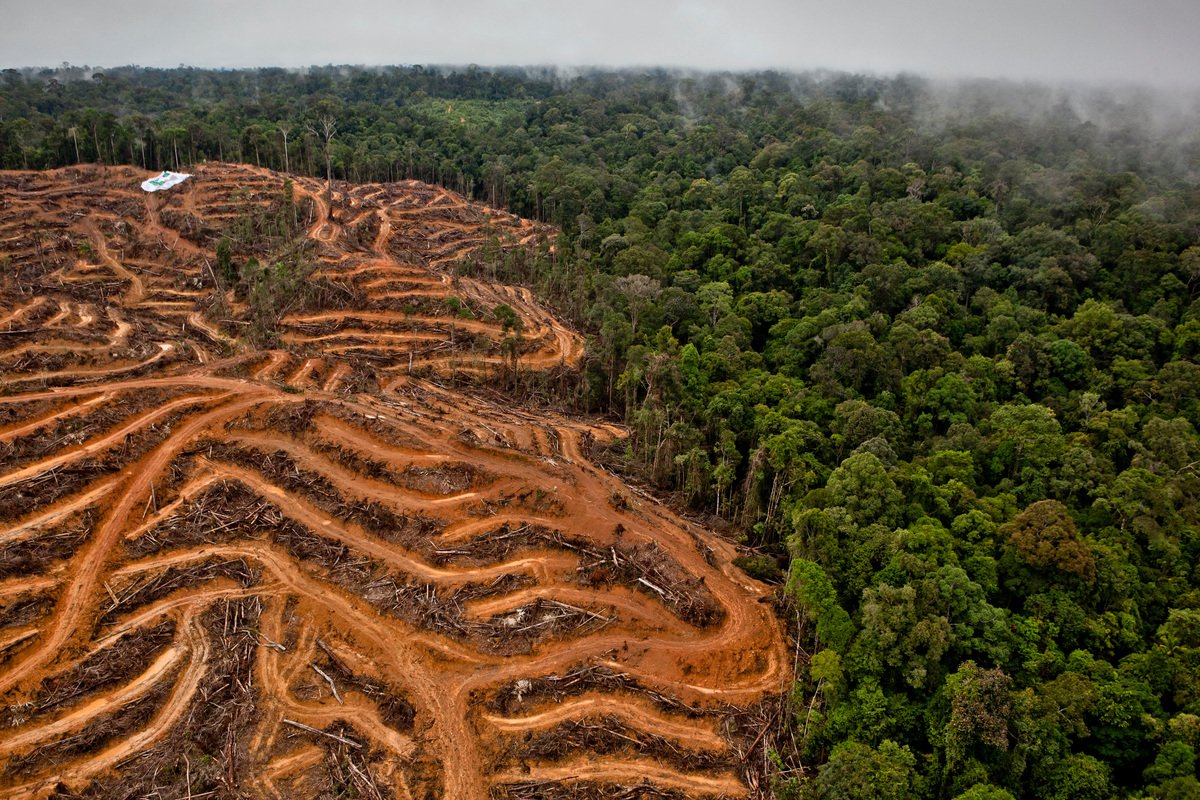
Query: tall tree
{"points": [[285, 128], [325, 129]]}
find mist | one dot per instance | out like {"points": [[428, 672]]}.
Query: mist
{"points": [[1103, 41]]}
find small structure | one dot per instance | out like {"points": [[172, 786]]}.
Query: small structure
{"points": [[164, 181]]}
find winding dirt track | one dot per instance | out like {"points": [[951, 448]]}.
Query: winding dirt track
{"points": [[329, 569]]}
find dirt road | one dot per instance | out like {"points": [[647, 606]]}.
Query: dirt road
{"points": [[333, 566]]}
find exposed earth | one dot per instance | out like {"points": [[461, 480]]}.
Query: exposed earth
{"points": [[344, 566]]}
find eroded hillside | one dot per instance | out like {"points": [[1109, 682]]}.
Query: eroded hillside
{"points": [[309, 568]]}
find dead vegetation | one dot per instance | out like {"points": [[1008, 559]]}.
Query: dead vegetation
{"points": [[282, 469], [23, 610], [138, 592], [394, 709], [75, 429], [519, 696], [129, 655], [258, 540], [35, 554], [583, 790], [23, 496], [648, 569], [20, 498], [348, 772], [205, 753], [643, 567], [221, 513], [106, 728], [610, 735]]}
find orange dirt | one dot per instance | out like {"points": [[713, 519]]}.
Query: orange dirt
{"points": [[325, 569]]}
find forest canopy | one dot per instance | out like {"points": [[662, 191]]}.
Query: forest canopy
{"points": [[932, 350]]}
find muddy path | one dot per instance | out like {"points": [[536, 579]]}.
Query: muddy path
{"points": [[355, 561]]}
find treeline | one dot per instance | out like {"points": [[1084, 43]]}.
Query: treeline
{"points": [[939, 362]]}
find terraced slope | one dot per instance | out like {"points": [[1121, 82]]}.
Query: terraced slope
{"points": [[317, 571]]}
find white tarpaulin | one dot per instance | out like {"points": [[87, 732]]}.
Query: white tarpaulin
{"points": [[165, 181]]}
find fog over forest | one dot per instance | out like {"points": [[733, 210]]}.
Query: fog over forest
{"points": [[1105, 41]]}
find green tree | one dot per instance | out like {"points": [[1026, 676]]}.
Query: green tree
{"points": [[857, 771], [862, 485], [1044, 537]]}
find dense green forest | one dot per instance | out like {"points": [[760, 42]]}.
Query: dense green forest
{"points": [[933, 350]]}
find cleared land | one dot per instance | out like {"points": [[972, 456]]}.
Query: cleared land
{"points": [[325, 570]]}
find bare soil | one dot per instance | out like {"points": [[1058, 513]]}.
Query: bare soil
{"points": [[348, 566]]}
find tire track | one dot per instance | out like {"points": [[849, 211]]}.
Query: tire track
{"points": [[533, 564]]}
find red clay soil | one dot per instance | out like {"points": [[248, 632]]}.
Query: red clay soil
{"points": [[319, 571]]}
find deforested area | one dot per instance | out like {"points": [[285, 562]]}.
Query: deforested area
{"points": [[574, 433], [255, 495]]}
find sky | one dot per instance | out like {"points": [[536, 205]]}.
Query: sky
{"points": [[1093, 41]]}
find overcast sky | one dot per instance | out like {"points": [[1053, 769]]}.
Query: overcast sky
{"points": [[1134, 41]]}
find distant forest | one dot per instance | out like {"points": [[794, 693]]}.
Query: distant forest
{"points": [[932, 350]]}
